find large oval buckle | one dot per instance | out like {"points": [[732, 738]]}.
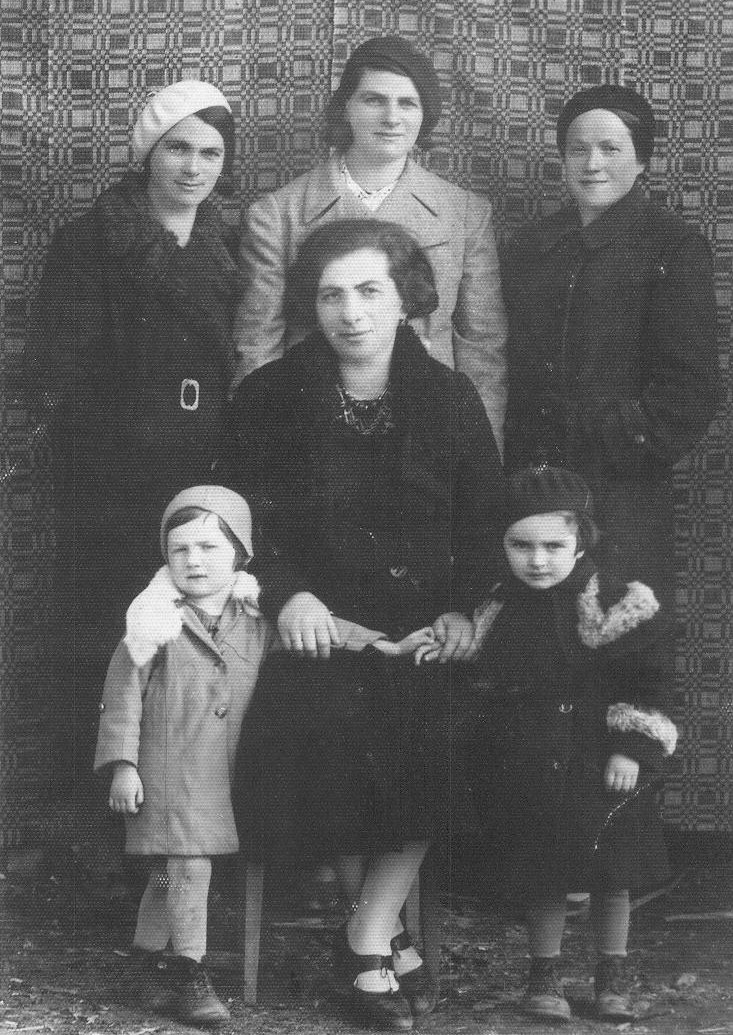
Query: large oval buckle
{"points": [[190, 393]]}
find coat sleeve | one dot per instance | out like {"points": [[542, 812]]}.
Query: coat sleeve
{"points": [[638, 673], [681, 387], [479, 319], [259, 323], [68, 317], [121, 709], [252, 462], [477, 503]]}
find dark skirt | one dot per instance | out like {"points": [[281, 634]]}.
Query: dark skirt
{"points": [[348, 755]]}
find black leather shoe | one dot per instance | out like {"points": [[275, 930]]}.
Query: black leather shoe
{"points": [[197, 1001], [419, 986], [146, 982], [385, 1011], [611, 995]]}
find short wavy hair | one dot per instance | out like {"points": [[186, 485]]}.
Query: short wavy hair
{"points": [[408, 265]]}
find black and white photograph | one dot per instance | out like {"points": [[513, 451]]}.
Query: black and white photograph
{"points": [[366, 517]]}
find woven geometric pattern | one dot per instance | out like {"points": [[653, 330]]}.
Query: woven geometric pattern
{"points": [[75, 74]]}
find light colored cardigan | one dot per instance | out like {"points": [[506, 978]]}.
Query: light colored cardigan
{"points": [[468, 330]]}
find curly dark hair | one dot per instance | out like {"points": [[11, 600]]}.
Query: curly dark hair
{"points": [[408, 264]]}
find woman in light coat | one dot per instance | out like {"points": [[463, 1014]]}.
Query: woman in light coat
{"points": [[387, 102]]}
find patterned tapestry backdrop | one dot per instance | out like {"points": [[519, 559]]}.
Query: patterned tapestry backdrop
{"points": [[76, 72]]}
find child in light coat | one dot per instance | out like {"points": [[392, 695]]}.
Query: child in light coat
{"points": [[564, 733], [174, 699]]}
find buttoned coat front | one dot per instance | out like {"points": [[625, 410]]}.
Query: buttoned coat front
{"points": [[454, 227], [613, 364], [178, 719], [566, 678]]}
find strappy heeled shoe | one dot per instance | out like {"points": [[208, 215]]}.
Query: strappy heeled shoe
{"points": [[419, 986], [387, 1011]]}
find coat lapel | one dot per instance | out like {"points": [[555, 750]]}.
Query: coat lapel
{"points": [[194, 626], [415, 203]]}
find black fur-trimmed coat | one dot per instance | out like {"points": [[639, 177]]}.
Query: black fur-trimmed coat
{"points": [[124, 321], [565, 678]]}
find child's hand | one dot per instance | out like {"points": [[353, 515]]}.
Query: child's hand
{"points": [[417, 643], [621, 773], [454, 632], [306, 626], [126, 791]]}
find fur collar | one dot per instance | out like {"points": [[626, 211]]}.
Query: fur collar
{"points": [[147, 254], [154, 616], [597, 628], [625, 718]]}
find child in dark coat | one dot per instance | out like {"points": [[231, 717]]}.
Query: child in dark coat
{"points": [[565, 688]]}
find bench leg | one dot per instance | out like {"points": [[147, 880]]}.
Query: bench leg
{"points": [[251, 888]]}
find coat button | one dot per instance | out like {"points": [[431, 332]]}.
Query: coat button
{"points": [[101, 706], [398, 572], [221, 712], [566, 707]]}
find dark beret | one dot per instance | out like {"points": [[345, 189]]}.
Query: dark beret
{"points": [[544, 489], [611, 98], [394, 54]]}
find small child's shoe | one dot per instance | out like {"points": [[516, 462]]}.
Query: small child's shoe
{"points": [[197, 1001], [147, 982], [544, 996], [612, 1001]]}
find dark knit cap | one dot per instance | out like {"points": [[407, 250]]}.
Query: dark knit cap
{"points": [[544, 489], [615, 99], [394, 54]]}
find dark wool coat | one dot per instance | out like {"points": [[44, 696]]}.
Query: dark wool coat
{"points": [[389, 532], [128, 341], [612, 364], [565, 678]]}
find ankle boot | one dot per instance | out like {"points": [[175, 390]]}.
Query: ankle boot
{"points": [[419, 986], [612, 1001], [197, 1001], [386, 1011], [146, 981], [544, 996]]}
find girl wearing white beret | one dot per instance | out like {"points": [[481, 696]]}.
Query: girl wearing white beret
{"points": [[129, 338]]}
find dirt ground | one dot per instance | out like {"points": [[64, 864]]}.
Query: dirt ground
{"points": [[65, 930]]}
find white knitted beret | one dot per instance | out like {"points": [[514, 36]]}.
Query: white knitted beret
{"points": [[168, 107]]}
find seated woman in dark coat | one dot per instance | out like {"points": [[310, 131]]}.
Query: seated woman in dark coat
{"points": [[377, 479]]}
